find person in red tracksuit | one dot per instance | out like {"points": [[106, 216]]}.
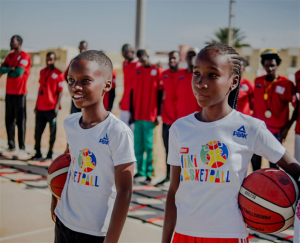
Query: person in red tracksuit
{"points": [[272, 95], [47, 105], [168, 111], [186, 101], [245, 101], [129, 67], [17, 65]]}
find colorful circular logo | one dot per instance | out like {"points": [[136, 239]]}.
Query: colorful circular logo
{"points": [[86, 160], [214, 154]]}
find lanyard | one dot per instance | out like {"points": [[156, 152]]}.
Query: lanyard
{"points": [[268, 113], [45, 83]]}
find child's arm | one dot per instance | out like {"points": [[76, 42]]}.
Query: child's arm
{"points": [[123, 181], [291, 166], [170, 210], [54, 200]]}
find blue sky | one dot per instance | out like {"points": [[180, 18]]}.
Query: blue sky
{"points": [[107, 24]]}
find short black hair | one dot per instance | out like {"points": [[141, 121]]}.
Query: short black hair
{"points": [[245, 62], [83, 41], [270, 57], [141, 53], [100, 58], [235, 62], [19, 38], [172, 52], [127, 47], [51, 53]]}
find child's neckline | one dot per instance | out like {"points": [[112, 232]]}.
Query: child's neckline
{"points": [[213, 123], [97, 125]]}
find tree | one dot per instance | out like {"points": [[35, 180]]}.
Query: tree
{"points": [[222, 37]]}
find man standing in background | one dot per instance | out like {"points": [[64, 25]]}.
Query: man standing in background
{"points": [[129, 66], [168, 112], [17, 66]]}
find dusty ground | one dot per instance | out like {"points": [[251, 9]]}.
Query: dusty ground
{"points": [[159, 153]]}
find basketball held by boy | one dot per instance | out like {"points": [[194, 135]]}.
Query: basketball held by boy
{"points": [[96, 196], [209, 153]]}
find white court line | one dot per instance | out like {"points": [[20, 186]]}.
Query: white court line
{"points": [[25, 234]]}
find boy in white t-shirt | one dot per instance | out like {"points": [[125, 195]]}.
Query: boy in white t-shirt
{"points": [[96, 196], [209, 153]]}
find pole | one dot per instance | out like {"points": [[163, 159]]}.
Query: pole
{"points": [[140, 24], [230, 28]]}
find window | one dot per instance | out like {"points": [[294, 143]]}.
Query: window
{"points": [[294, 61]]}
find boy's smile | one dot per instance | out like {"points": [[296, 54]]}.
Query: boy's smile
{"points": [[86, 83]]}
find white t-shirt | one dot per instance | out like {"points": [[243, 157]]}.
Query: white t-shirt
{"points": [[296, 238], [214, 158], [89, 194]]}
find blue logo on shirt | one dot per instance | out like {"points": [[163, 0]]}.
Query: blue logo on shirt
{"points": [[104, 140], [240, 133], [138, 71]]}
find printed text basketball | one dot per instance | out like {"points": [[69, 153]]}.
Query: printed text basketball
{"points": [[57, 174], [267, 200]]}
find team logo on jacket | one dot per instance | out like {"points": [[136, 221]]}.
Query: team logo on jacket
{"points": [[87, 160], [138, 71], [240, 133], [258, 86], [245, 88], [165, 76], [181, 77], [214, 154]]}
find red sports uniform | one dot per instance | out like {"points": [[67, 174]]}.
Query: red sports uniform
{"points": [[169, 111], [186, 100], [51, 83], [129, 69], [146, 84], [106, 96], [280, 93], [245, 101], [297, 80], [18, 85]]}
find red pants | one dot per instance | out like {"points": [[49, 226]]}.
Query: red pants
{"points": [[179, 238]]}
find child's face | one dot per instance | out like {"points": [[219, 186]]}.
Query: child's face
{"points": [[50, 60], [144, 60], [87, 83], [212, 78]]}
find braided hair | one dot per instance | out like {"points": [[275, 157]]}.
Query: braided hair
{"points": [[235, 61]]}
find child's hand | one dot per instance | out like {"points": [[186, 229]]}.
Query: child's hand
{"points": [[53, 206]]}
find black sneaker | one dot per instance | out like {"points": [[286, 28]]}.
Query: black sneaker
{"points": [[167, 179], [137, 175], [37, 157]]}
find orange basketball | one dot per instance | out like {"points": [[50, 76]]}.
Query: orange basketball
{"points": [[57, 174], [267, 200]]}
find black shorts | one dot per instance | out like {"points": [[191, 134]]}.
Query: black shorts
{"points": [[66, 235]]}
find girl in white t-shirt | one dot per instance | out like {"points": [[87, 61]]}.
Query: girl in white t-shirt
{"points": [[209, 153]]}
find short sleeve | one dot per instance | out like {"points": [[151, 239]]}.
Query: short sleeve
{"points": [[25, 61], [173, 155], [266, 145], [121, 145], [290, 92]]}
